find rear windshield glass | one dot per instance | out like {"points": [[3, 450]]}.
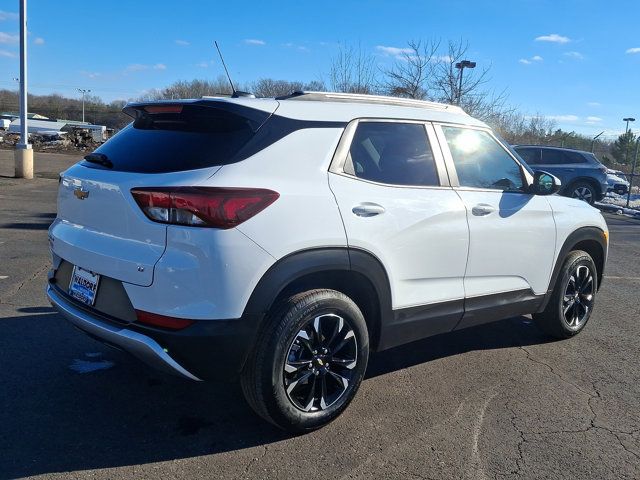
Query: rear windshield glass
{"points": [[178, 138]]}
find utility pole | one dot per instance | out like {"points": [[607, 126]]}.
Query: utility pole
{"points": [[23, 154], [461, 66], [83, 92]]}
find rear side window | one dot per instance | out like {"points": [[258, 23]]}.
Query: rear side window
{"points": [[179, 137], [392, 153], [481, 162], [552, 156], [529, 155]]}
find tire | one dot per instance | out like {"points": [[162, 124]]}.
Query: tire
{"points": [[584, 191], [283, 379], [573, 297]]}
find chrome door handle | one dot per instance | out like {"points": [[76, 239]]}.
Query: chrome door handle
{"points": [[483, 209], [368, 209]]}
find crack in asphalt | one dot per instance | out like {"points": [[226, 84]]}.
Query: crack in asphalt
{"points": [[520, 460], [255, 460], [410, 438], [35, 275], [591, 397], [552, 370]]}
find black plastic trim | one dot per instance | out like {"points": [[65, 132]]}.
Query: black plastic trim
{"points": [[497, 306], [275, 129], [579, 235], [210, 349], [414, 323], [290, 268], [324, 260]]}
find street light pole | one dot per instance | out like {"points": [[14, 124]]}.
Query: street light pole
{"points": [[23, 154], [83, 92], [633, 171], [628, 119], [461, 66], [626, 133]]}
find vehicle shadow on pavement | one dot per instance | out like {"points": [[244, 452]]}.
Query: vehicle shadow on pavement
{"points": [[40, 221], [55, 419], [513, 332]]}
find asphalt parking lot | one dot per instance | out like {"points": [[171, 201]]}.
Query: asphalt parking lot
{"points": [[498, 401]]}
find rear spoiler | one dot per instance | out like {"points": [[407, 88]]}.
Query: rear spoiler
{"points": [[255, 116]]}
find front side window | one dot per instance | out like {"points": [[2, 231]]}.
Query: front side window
{"points": [[481, 162], [392, 153]]}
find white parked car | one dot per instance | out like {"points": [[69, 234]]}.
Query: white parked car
{"points": [[280, 241], [617, 181]]}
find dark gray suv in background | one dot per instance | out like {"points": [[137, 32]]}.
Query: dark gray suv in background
{"points": [[582, 175]]}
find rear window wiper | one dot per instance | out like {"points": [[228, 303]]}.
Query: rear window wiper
{"points": [[100, 159]]}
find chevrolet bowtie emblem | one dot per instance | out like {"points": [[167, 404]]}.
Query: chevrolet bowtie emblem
{"points": [[80, 193]]}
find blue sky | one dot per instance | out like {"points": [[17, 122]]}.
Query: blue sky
{"points": [[575, 60]]}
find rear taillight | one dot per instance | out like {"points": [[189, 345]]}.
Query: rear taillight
{"points": [[203, 206], [162, 321]]}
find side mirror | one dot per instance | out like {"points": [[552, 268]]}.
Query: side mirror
{"points": [[544, 183]]}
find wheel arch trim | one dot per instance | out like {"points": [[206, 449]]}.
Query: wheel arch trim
{"points": [[582, 234], [303, 263]]}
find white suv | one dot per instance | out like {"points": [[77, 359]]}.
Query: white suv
{"points": [[279, 241]]}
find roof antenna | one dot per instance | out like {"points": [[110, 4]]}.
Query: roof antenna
{"points": [[236, 93]]}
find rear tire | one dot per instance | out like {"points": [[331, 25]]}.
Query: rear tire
{"points": [[308, 362], [572, 299]]}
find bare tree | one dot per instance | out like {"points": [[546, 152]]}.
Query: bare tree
{"points": [[472, 96], [268, 87], [191, 89], [517, 128], [412, 72], [353, 71], [316, 86]]}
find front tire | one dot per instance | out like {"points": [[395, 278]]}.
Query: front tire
{"points": [[308, 362], [572, 299], [583, 191]]}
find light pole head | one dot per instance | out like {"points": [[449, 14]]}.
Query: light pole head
{"points": [[628, 119], [466, 64]]}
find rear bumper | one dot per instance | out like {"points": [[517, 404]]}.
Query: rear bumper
{"points": [[206, 350], [139, 345]]}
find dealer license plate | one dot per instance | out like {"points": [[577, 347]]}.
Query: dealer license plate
{"points": [[84, 285]]}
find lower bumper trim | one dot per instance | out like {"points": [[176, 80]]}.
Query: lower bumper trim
{"points": [[139, 345]]}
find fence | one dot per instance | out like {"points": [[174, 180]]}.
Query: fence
{"points": [[629, 201]]}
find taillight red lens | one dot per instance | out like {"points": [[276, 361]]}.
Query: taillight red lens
{"points": [[162, 321], [203, 206]]}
